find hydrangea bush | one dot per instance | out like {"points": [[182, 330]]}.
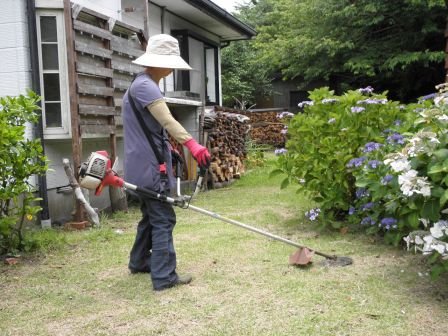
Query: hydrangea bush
{"points": [[408, 189], [376, 163], [325, 139]]}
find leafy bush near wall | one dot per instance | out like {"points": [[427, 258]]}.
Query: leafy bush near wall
{"points": [[20, 158], [328, 135]]}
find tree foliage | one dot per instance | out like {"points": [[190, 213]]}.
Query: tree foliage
{"points": [[392, 45], [243, 77]]}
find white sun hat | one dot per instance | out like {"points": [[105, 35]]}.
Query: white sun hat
{"points": [[162, 51]]}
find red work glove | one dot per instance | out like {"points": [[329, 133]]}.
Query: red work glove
{"points": [[199, 152]]}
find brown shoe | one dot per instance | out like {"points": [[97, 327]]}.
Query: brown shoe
{"points": [[181, 280]]}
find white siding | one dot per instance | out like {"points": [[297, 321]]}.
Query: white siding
{"points": [[14, 48], [154, 20]]}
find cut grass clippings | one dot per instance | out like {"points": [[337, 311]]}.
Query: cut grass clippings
{"points": [[242, 283]]}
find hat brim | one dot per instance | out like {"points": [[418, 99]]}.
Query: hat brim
{"points": [[162, 61]]}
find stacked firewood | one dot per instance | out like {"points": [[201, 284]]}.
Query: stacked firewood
{"points": [[226, 134], [266, 127]]}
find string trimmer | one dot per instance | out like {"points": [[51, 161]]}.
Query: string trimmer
{"points": [[97, 173]]}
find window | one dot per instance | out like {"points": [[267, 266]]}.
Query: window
{"points": [[202, 55], [53, 72]]}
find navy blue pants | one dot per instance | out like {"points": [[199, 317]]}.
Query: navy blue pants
{"points": [[153, 249]]}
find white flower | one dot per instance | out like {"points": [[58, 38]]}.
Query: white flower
{"points": [[441, 100], [418, 240], [439, 248], [331, 121], [410, 183], [424, 221], [422, 142], [443, 118], [408, 241], [439, 229], [399, 165], [398, 162]]}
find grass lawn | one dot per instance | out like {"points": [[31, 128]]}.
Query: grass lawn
{"points": [[242, 283]]}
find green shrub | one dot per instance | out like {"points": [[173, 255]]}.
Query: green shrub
{"points": [[20, 158], [326, 136]]}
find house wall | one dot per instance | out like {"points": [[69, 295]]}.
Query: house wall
{"points": [[15, 70]]}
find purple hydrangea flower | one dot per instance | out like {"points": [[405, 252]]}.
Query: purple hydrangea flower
{"points": [[397, 122], [306, 103], [351, 210], [329, 101], [374, 164], [280, 151], [395, 139], [372, 146], [356, 162], [284, 130], [368, 220], [366, 90], [285, 115], [362, 192], [388, 223], [371, 101], [357, 109], [427, 97], [312, 214], [367, 206], [386, 179]]}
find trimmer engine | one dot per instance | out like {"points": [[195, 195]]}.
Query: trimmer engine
{"points": [[97, 172]]}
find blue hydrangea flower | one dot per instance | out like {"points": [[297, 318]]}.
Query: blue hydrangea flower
{"points": [[285, 115], [312, 214], [351, 210], [388, 223], [427, 97], [306, 103], [397, 122], [367, 206], [372, 146], [366, 90], [280, 151], [329, 101], [362, 192], [372, 101], [374, 164], [368, 220], [357, 109], [386, 179], [356, 162], [395, 139]]}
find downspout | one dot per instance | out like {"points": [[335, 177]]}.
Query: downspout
{"points": [[38, 127]]}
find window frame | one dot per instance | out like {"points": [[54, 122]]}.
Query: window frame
{"points": [[65, 128], [184, 50]]}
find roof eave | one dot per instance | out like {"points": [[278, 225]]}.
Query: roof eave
{"points": [[220, 14]]}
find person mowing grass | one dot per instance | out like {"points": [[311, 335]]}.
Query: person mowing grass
{"points": [[148, 160]]}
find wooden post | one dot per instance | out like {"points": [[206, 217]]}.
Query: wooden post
{"points": [[117, 196], [72, 79]]}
